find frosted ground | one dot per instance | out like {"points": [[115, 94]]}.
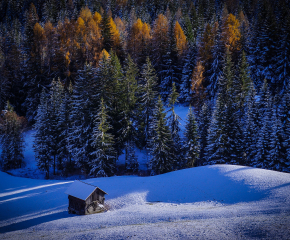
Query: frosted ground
{"points": [[210, 202]]}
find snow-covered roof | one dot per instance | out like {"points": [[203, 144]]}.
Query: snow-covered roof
{"points": [[81, 190]]}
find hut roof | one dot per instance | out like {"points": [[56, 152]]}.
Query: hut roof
{"points": [[81, 190]]}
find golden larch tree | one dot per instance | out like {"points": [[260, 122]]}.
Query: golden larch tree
{"points": [[197, 85], [231, 34], [115, 34], [180, 39]]}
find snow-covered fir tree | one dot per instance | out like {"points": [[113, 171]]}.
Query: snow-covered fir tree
{"points": [[174, 126], [284, 116], [129, 113], [203, 129], [161, 144], [185, 88], [225, 133], [132, 164], [42, 146], [282, 61], [192, 146], [54, 104], [276, 154], [115, 99], [251, 125], [147, 101], [11, 139], [103, 161], [64, 126], [262, 157], [216, 69], [84, 106]]}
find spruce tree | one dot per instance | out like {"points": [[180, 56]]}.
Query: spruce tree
{"points": [[11, 139], [161, 144], [225, 134], [115, 98], [284, 117], [106, 32], [192, 145], [84, 107], [203, 129], [42, 147], [147, 101], [54, 104], [185, 88], [251, 126], [276, 146], [103, 161], [174, 126], [129, 112], [64, 126], [262, 157], [132, 164], [244, 78]]}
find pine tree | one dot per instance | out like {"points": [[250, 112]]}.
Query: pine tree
{"points": [[84, 106], [115, 98], [216, 69], [103, 162], [106, 32], [282, 65], [161, 142], [42, 147], [203, 129], [11, 139], [174, 126], [185, 88], [276, 146], [129, 113], [262, 157], [244, 79], [251, 127], [54, 104], [284, 117], [148, 98], [64, 126], [192, 146], [225, 134], [132, 165]]}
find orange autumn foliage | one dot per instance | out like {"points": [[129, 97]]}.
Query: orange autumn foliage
{"points": [[197, 77], [115, 33], [231, 34], [39, 43], [138, 39], [197, 86], [180, 38], [97, 18], [86, 14], [160, 37], [104, 55]]}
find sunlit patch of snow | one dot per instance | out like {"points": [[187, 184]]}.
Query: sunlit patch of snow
{"points": [[30, 189]]}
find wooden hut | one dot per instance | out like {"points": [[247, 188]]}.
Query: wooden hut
{"points": [[85, 198]]}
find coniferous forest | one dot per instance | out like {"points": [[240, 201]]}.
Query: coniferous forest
{"points": [[97, 79]]}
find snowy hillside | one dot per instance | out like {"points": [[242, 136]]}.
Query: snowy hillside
{"points": [[211, 202]]}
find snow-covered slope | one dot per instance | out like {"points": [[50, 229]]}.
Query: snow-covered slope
{"points": [[211, 202]]}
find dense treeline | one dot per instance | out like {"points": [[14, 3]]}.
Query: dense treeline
{"points": [[89, 75]]}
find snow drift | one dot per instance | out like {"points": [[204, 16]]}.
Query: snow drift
{"points": [[218, 202]]}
